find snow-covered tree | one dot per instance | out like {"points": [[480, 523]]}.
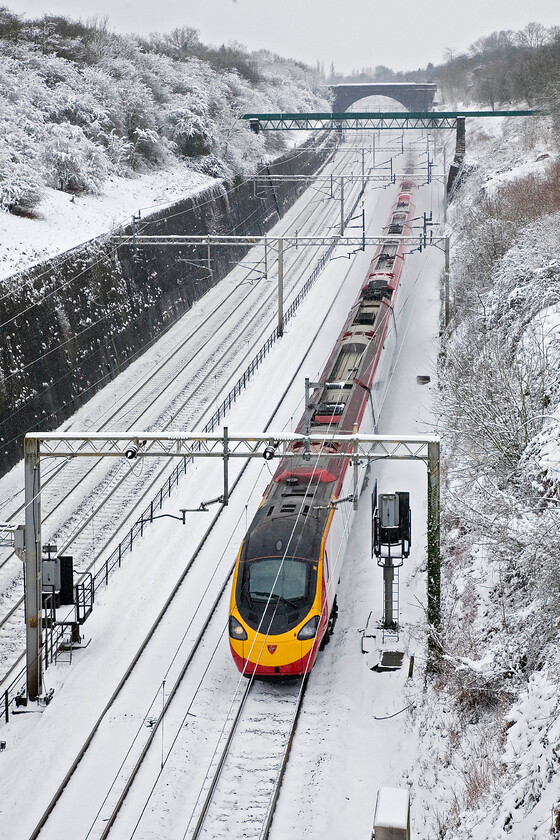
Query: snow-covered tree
{"points": [[80, 103], [72, 162]]}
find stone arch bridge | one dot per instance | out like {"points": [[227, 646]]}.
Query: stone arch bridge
{"points": [[414, 96]]}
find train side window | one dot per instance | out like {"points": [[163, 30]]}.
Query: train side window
{"points": [[326, 563]]}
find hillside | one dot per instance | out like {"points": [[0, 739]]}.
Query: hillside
{"points": [[94, 127], [81, 106], [489, 723]]}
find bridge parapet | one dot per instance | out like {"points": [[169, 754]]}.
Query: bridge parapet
{"points": [[416, 96]]}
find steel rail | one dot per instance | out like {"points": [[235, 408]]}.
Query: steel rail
{"points": [[265, 834], [221, 762], [11, 516], [282, 765], [12, 670], [54, 800], [260, 307], [164, 363]]}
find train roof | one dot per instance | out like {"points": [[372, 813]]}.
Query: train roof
{"points": [[294, 534]]}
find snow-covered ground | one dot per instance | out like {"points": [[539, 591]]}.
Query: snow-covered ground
{"points": [[342, 682], [489, 726], [64, 221], [360, 729]]}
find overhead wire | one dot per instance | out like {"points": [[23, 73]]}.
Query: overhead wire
{"points": [[338, 559], [280, 568], [93, 385], [251, 676], [167, 672], [106, 315], [43, 418], [314, 468], [28, 280], [335, 569], [76, 335]]}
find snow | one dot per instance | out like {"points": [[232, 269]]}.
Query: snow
{"points": [[85, 685], [66, 220], [391, 809], [361, 730], [495, 779]]}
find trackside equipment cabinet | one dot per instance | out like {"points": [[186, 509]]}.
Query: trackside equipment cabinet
{"points": [[392, 815], [391, 527]]}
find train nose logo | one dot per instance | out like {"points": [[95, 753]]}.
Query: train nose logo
{"points": [[271, 648]]}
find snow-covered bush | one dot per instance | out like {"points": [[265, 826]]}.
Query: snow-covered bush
{"points": [[239, 148], [188, 131], [20, 188], [119, 151], [493, 395], [129, 104], [72, 162], [500, 425]]}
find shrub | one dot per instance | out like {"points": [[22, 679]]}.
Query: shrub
{"points": [[72, 162], [20, 189], [188, 131]]}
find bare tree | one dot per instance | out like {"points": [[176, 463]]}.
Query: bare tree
{"points": [[496, 42], [534, 35]]}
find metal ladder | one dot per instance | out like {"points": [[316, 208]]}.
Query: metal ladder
{"points": [[391, 634]]}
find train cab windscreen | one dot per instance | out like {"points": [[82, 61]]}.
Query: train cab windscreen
{"points": [[275, 593], [276, 577]]}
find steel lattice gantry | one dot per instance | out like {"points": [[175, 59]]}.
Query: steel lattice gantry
{"points": [[359, 242], [356, 448], [288, 240], [238, 445], [377, 121]]}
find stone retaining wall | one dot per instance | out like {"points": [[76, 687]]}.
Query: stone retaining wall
{"points": [[78, 319]]}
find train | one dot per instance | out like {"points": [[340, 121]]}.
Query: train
{"points": [[283, 604]]}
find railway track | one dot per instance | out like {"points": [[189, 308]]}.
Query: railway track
{"points": [[104, 506], [198, 650], [146, 719], [242, 784], [181, 363], [182, 728], [142, 403]]}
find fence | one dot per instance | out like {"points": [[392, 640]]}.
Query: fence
{"points": [[101, 577]]}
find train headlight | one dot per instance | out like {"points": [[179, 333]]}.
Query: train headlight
{"points": [[309, 630], [236, 630]]}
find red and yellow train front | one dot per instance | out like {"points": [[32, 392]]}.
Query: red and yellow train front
{"points": [[278, 613]]}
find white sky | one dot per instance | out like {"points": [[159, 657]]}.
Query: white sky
{"points": [[351, 33]]}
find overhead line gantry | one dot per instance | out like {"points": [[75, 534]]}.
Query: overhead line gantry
{"points": [[369, 120], [138, 444]]}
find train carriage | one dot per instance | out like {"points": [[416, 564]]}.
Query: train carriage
{"points": [[283, 601]]}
